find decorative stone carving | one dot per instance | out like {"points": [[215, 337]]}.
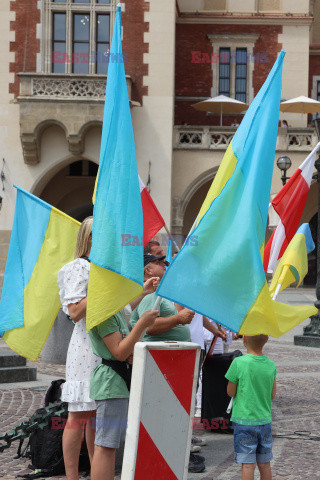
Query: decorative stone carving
{"points": [[76, 144], [68, 87], [177, 217], [299, 140], [30, 148], [217, 138]]}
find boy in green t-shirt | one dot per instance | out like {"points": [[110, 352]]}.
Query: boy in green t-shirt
{"points": [[252, 383], [111, 340]]}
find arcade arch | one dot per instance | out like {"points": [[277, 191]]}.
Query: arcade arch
{"points": [[70, 187]]}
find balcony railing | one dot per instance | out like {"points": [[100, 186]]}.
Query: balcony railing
{"points": [[40, 86], [204, 138], [218, 138]]}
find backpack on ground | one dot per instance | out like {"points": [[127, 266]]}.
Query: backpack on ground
{"points": [[45, 443]]}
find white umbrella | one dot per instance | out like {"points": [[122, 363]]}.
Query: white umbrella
{"points": [[221, 104], [300, 105]]}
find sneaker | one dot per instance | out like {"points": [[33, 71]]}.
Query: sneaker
{"points": [[196, 464], [200, 458], [198, 413], [195, 448], [198, 441]]}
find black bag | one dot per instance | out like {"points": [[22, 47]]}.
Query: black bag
{"points": [[123, 369], [45, 444], [45, 447], [215, 399]]}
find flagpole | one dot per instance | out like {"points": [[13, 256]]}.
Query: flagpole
{"points": [[276, 293], [230, 405], [171, 237]]}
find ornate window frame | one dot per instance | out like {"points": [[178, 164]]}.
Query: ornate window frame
{"points": [[69, 7], [314, 91], [232, 41]]}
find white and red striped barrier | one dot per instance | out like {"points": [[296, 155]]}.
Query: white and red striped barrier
{"points": [[162, 397]]}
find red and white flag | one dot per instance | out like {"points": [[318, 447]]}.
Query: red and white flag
{"points": [[289, 204], [152, 220]]}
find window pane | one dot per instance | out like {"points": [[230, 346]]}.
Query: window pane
{"points": [[241, 86], [81, 1], [102, 58], [241, 71], [59, 26], [224, 71], [59, 1], [81, 27], [59, 42], [80, 58], [224, 55], [241, 55], [58, 57], [103, 1], [241, 74], [103, 28], [241, 97]]}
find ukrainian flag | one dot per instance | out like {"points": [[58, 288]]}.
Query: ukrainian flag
{"points": [[116, 272], [293, 265], [222, 276], [43, 239]]}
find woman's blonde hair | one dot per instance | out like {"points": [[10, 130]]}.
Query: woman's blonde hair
{"points": [[83, 237]]}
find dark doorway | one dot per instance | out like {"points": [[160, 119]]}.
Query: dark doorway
{"points": [[311, 277]]}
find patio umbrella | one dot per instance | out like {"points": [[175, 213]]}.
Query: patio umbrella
{"points": [[221, 104], [300, 105]]}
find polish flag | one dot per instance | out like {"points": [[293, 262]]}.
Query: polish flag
{"points": [[152, 220], [289, 204]]}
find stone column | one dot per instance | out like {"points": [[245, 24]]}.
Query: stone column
{"points": [[56, 347]]}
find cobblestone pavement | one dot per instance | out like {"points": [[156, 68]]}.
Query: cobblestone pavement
{"points": [[295, 409]]}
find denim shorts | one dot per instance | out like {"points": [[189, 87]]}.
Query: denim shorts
{"points": [[252, 443]]}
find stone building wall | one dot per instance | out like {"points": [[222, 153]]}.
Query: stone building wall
{"points": [[134, 27], [25, 45]]}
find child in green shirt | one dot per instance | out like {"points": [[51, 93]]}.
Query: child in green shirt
{"points": [[252, 383], [111, 340]]}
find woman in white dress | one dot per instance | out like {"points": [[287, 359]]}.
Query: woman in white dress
{"points": [[73, 283]]}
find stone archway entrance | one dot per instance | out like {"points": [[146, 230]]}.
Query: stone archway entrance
{"points": [[194, 206], [71, 189]]}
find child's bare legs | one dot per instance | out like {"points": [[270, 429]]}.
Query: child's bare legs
{"points": [[103, 463], [248, 471], [90, 434], [265, 471], [71, 441]]}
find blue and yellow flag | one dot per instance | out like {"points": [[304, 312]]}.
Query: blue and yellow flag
{"points": [[222, 276], [293, 265], [43, 239], [169, 252], [116, 272]]}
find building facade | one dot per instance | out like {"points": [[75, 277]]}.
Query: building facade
{"points": [[53, 71]]}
